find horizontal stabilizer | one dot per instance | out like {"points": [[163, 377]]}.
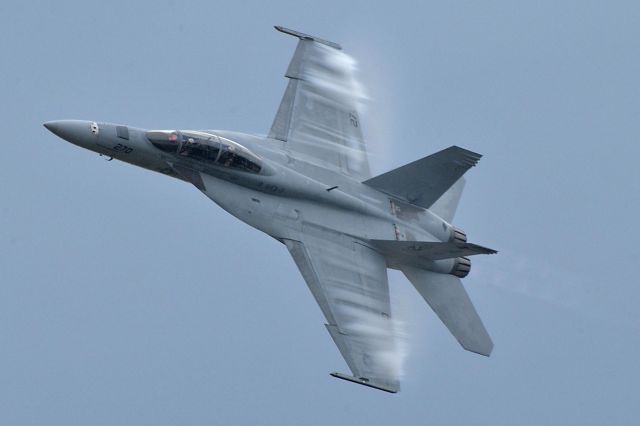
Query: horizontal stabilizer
{"points": [[449, 300], [424, 181], [429, 250], [366, 382]]}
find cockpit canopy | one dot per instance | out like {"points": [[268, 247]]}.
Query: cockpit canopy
{"points": [[206, 147]]}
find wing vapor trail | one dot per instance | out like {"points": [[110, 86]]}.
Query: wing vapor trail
{"points": [[329, 85], [385, 336], [331, 82]]}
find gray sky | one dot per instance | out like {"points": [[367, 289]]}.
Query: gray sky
{"points": [[129, 298]]}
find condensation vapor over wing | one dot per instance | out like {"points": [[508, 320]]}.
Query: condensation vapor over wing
{"points": [[319, 114]]}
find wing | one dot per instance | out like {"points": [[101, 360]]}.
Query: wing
{"points": [[318, 116], [349, 282]]}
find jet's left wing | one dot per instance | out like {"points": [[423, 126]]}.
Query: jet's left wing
{"points": [[349, 282], [318, 117]]}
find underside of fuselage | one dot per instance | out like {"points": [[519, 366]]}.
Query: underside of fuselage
{"points": [[308, 184]]}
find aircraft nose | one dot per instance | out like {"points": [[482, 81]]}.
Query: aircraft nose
{"points": [[52, 126], [74, 131]]}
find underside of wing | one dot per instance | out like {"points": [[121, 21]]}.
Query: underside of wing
{"points": [[318, 116], [349, 283]]}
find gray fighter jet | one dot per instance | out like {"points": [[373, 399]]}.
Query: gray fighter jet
{"points": [[308, 185]]}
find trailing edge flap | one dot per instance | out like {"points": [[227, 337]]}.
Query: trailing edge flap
{"points": [[429, 250], [449, 300], [424, 181]]}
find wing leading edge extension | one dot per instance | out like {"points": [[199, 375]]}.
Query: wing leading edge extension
{"points": [[349, 283], [318, 115]]}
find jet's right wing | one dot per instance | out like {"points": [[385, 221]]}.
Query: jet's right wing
{"points": [[349, 283]]}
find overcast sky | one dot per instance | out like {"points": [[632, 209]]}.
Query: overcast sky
{"points": [[127, 297]]}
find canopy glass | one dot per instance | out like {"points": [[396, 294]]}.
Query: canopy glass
{"points": [[206, 147]]}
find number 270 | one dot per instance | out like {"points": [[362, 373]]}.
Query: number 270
{"points": [[122, 148]]}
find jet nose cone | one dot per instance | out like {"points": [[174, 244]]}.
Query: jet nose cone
{"points": [[75, 131], [51, 126], [64, 128]]}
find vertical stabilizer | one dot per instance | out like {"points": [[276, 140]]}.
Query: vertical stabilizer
{"points": [[449, 300], [447, 204]]}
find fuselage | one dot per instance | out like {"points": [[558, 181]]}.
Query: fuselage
{"points": [[262, 183]]}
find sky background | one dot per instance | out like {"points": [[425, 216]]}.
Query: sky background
{"points": [[127, 297]]}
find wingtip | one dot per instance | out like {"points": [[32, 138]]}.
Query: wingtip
{"points": [[490, 250], [303, 36], [366, 382], [485, 349], [480, 343], [471, 158], [477, 248]]}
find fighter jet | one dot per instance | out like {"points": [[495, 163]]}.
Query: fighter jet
{"points": [[308, 185]]}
